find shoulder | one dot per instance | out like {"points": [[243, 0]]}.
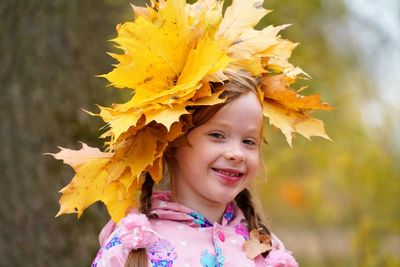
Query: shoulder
{"points": [[117, 240], [279, 256]]}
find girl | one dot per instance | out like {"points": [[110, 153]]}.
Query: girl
{"points": [[204, 221], [202, 83]]}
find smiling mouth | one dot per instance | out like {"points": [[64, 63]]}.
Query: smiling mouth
{"points": [[229, 175]]}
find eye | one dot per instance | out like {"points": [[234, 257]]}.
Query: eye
{"points": [[249, 141], [216, 135]]}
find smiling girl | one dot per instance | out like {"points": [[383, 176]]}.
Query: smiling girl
{"points": [[205, 219], [202, 84]]}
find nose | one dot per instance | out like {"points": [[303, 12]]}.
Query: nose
{"points": [[234, 153]]}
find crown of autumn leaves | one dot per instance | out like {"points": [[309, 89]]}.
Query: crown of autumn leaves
{"points": [[172, 52]]}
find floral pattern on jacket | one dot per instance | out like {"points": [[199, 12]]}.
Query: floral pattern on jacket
{"points": [[175, 235]]}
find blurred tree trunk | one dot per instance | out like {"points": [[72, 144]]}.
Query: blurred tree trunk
{"points": [[50, 52]]}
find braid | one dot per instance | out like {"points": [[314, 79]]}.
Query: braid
{"points": [[147, 192], [138, 258], [245, 202]]}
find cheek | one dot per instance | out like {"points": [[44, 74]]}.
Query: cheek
{"points": [[187, 159], [183, 154], [254, 164]]}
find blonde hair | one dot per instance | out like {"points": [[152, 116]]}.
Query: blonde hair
{"points": [[240, 82]]}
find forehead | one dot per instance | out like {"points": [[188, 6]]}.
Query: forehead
{"points": [[244, 111]]}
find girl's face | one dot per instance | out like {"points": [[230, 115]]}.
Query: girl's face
{"points": [[223, 154]]}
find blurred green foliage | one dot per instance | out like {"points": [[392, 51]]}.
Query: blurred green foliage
{"points": [[349, 186]]}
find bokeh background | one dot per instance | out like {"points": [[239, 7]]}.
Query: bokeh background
{"points": [[332, 203]]}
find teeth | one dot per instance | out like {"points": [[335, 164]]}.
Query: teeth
{"points": [[230, 174]]}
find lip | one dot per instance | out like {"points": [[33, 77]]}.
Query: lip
{"points": [[227, 175]]}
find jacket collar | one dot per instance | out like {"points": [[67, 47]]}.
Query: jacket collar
{"points": [[164, 208]]}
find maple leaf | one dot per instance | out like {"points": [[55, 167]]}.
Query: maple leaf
{"points": [[138, 151], [208, 13], [254, 41], [288, 111], [118, 198], [156, 169], [205, 59], [203, 91], [239, 17], [167, 116], [249, 48], [163, 77], [257, 244], [76, 158], [153, 67], [278, 56], [147, 12], [277, 90], [88, 183], [112, 178]]}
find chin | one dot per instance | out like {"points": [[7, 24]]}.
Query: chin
{"points": [[226, 196]]}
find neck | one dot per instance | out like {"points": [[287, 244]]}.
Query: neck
{"points": [[213, 211]]}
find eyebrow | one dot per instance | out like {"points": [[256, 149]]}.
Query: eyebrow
{"points": [[225, 124]]}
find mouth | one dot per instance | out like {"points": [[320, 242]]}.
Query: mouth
{"points": [[228, 176]]}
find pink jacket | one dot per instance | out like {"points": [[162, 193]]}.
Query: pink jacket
{"points": [[178, 236]]}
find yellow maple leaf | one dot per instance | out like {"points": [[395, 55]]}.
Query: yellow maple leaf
{"points": [[131, 157], [208, 100], [89, 181], [239, 17], [154, 67], [278, 56], [85, 188], [156, 169], [147, 12], [118, 199], [116, 169], [206, 12], [205, 59], [139, 152], [253, 65], [109, 177], [120, 122], [253, 41], [167, 106], [163, 77], [167, 116]]}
